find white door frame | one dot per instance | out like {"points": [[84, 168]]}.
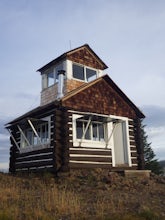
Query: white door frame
{"points": [[125, 120]]}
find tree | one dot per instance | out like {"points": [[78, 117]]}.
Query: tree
{"points": [[149, 156]]}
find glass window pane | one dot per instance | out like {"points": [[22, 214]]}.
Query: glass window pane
{"points": [[30, 136], [78, 72], [101, 132], [90, 74], [95, 132], [46, 131], [50, 79], [79, 129], [87, 135], [35, 140]]}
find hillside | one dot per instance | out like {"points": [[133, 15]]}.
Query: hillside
{"points": [[82, 195]]}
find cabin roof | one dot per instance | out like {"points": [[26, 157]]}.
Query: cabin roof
{"points": [[113, 85], [66, 54], [34, 112]]}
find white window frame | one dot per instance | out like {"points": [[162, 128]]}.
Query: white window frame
{"points": [[24, 145], [108, 143], [125, 120], [85, 75], [89, 143], [53, 70]]}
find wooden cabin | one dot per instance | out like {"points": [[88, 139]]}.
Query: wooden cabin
{"points": [[84, 120]]}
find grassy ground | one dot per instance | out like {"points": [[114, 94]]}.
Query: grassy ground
{"points": [[81, 195]]}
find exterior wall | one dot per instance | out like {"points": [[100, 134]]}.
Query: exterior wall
{"points": [[87, 157], [85, 57], [36, 159], [100, 98], [133, 144], [49, 94], [61, 140], [72, 84], [53, 157]]}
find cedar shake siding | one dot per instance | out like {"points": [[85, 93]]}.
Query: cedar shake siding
{"points": [[85, 57], [100, 98]]}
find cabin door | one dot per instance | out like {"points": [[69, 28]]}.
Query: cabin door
{"points": [[120, 144]]}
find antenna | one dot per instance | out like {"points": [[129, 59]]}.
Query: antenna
{"points": [[70, 44]]}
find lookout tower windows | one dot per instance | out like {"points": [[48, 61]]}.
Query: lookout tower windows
{"points": [[50, 76], [50, 79], [78, 72], [83, 73]]}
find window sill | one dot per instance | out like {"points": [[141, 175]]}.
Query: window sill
{"points": [[92, 144]]}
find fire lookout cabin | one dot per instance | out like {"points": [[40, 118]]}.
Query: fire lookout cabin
{"points": [[84, 120]]}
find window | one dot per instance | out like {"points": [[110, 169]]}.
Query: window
{"points": [[52, 76], [31, 139], [90, 131], [50, 79], [78, 72], [84, 73], [90, 74]]}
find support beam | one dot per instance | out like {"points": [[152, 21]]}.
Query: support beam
{"points": [[14, 139], [116, 121], [86, 128], [23, 135], [35, 132], [110, 135]]}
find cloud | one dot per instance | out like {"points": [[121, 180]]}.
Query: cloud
{"points": [[155, 115], [155, 128], [4, 137]]}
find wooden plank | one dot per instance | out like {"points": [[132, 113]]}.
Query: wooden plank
{"points": [[131, 133], [132, 142], [88, 165], [45, 150], [90, 152], [134, 154], [133, 148], [36, 157], [92, 159], [134, 161], [34, 164]]}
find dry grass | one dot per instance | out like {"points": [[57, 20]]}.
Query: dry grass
{"points": [[79, 196]]}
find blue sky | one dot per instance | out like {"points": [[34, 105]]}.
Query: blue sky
{"points": [[129, 36]]}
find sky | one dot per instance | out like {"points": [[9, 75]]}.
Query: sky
{"points": [[129, 36]]}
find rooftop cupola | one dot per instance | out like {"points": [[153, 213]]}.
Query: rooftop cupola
{"points": [[80, 65]]}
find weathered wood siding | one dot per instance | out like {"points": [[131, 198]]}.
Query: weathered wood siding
{"points": [[85, 57], [61, 139], [133, 146], [36, 159], [100, 98], [86, 157]]}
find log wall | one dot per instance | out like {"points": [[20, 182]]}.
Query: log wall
{"points": [[36, 159]]}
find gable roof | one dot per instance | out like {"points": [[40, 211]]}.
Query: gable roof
{"points": [[107, 79], [70, 52], [34, 112]]}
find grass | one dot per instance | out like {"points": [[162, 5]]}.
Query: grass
{"points": [[80, 196]]}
